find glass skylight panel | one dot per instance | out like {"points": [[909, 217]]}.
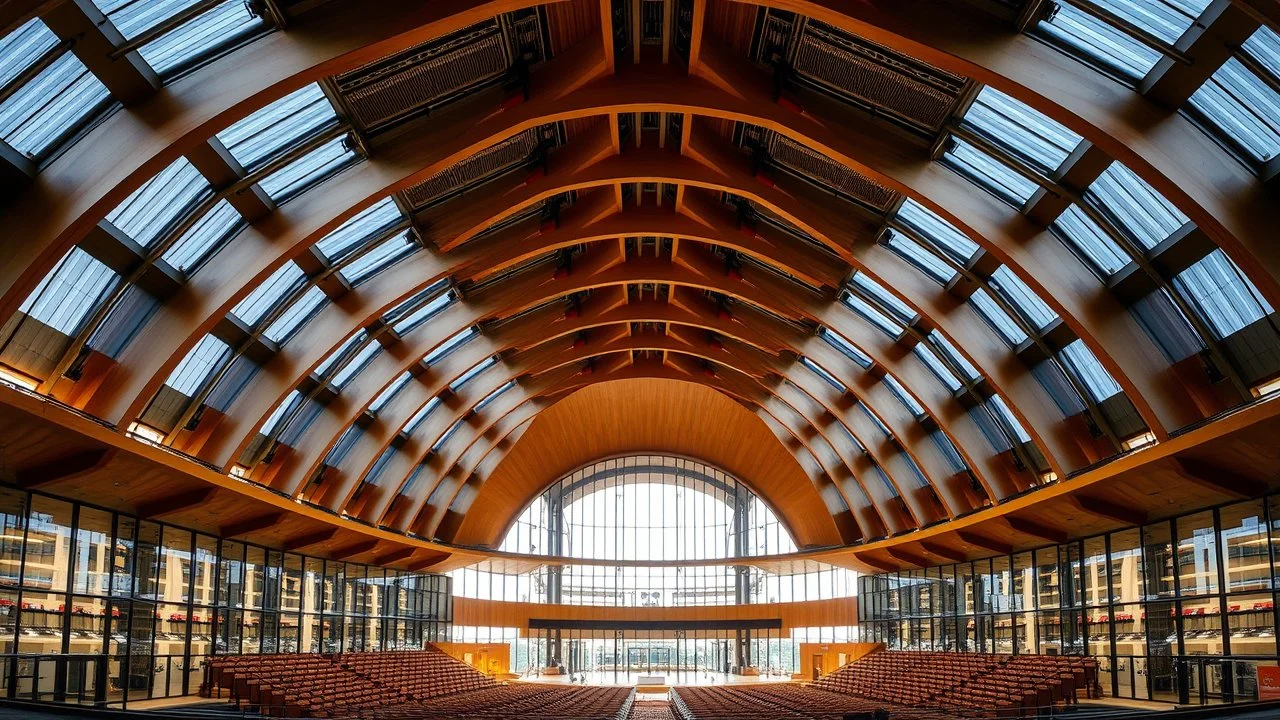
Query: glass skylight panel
{"points": [[356, 364], [1089, 240], [415, 319], [198, 37], [364, 227], [997, 318], [851, 351], [873, 315], [1222, 294], [1136, 208], [916, 254], [413, 422], [301, 174], [50, 106], [820, 372], [389, 392], [494, 395], [70, 293], [1025, 133], [269, 294], [198, 365], [884, 480], [343, 350], [449, 345], [1020, 296], [475, 370], [457, 424], [277, 415], [938, 232], [21, 48], [1095, 378], [1242, 105], [299, 311], [948, 350], [883, 297], [1007, 418], [988, 173], [278, 126], [387, 253], [1099, 42], [903, 396], [937, 367], [206, 234], [160, 202], [875, 420]]}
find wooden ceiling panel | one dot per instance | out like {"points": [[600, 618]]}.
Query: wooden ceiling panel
{"points": [[648, 416]]}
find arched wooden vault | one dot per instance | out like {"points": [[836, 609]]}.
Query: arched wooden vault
{"points": [[672, 199]]}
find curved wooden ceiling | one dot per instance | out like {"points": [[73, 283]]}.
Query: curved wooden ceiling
{"points": [[630, 417], [677, 300]]}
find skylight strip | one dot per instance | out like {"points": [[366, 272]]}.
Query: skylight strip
{"points": [[1098, 42], [278, 126], [299, 311], [202, 36], [47, 108], [412, 424], [1023, 132], [205, 235], [269, 294], [917, 255], [997, 318], [938, 232], [1090, 241], [903, 396], [1007, 418], [822, 373], [849, 350], [198, 364], [390, 392], [882, 297], [356, 364], [939, 369], [470, 374], [1146, 216], [1224, 297], [23, 47], [367, 225], [1089, 371], [449, 345], [873, 315], [1244, 108], [988, 173], [1018, 294], [346, 347], [66, 297], [494, 395], [160, 202], [949, 351], [387, 253], [310, 169]]}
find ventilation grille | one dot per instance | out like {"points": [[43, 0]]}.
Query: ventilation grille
{"points": [[491, 161], [826, 171], [426, 76], [907, 89]]}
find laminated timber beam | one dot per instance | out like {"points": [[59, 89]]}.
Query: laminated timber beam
{"points": [[1139, 371], [1088, 103], [176, 502], [67, 467], [1219, 478]]}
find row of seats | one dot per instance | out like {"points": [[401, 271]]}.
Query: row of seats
{"points": [[323, 685], [789, 702], [995, 685], [525, 701]]}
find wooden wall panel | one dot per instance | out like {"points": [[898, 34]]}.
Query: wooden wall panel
{"points": [[814, 613]]}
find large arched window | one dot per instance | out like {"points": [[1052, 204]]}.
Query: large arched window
{"points": [[648, 507]]}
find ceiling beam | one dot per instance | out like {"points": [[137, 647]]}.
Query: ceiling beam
{"points": [[252, 524], [349, 551], [943, 551], [982, 542], [1104, 508], [1036, 529], [177, 502], [1219, 479], [62, 468], [298, 542]]}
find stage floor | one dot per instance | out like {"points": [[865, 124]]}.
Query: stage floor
{"points": [[672, 678]]}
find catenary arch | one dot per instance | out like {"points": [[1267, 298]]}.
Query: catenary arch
{"points": [[803, 217]]}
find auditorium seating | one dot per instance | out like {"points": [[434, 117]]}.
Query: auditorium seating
{"points": [[411, 685], [1004, 685]]}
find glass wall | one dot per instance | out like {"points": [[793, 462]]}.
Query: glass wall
{"points": [[1180, 610], [648, 507], [97, 606], [654, 585]]}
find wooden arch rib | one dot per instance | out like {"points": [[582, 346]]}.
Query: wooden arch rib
{"points": [[1084, 303], [131, 146]]}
